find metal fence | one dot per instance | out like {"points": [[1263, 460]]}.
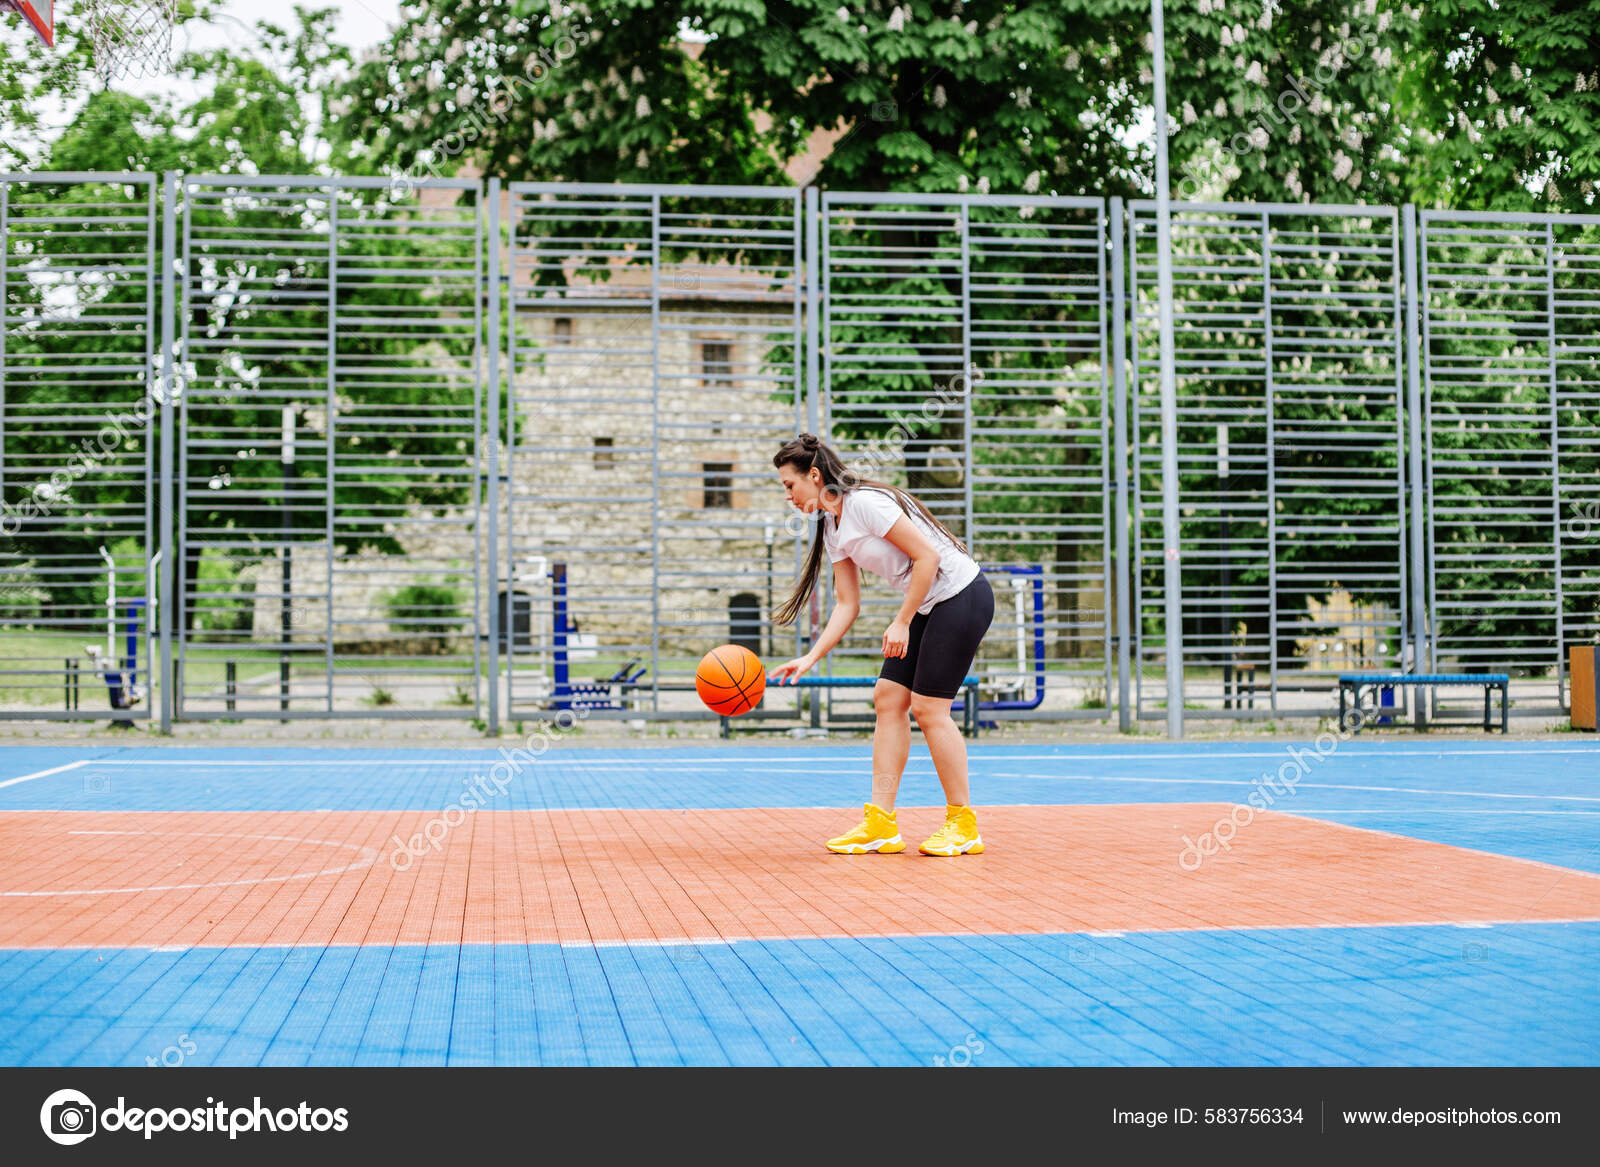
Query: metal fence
{"points": [[328, 560], [488, 451], [77, 341]]}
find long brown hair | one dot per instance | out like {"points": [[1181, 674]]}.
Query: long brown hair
{"points": [[807, 451]]}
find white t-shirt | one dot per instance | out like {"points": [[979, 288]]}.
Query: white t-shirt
{"points": [[859, 535]]}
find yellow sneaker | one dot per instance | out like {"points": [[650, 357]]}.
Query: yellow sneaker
{"points": [[877, 831], [958, 836]]}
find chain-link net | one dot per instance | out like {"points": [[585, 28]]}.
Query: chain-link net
{"points": [[131, 38]]}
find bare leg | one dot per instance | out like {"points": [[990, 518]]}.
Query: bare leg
{"points": [[891, 740], [945, 743]]}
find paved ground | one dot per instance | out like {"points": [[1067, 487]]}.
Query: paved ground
{"points": [[1243, 902]]}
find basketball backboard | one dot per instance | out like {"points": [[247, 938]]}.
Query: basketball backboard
{"points": [[39, 13]]}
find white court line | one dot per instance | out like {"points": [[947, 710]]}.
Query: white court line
{"points": [[47, 773], [813, 758], [1303, 786], [1593, 814], [369, 856]]}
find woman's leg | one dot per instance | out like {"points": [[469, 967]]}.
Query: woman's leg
{"points": [[945, 743], [949, 645], [891, 740]]}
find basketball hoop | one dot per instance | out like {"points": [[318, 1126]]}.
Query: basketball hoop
{"points": [[131, 38]]}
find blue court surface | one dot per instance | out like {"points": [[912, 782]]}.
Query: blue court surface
{"points": [[1388, 902]]}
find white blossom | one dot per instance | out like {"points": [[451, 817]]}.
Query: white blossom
{"points": [[613, 78], [641, 108], [1072, 61], [453, 53], [1258, 137], [1294, 134], [1189, 117], [1292, 182], [1025, 98], [642, 161], [972, 27], [1220, 109], [1492, 97], [1255, 74], [961, 184], [1550, 191], [1516, 73], [1238, 34], [1578, 86], [1383, 20], [1352, 138], [1488, 66], [1030, 185], [844, 15], [578, 120], [1146, 75], [1205, 7], [1266, 19], [1342, 165], [897, 19], [1024, 212], [637, 76], [983, 185], [1227, 36], [1355, 179], [939, 97], [1499, 119]]}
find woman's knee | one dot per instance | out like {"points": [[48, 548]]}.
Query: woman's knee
{"points": [[890, 699], [926, 709]]}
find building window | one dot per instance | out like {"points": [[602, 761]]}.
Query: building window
{"points": [[604, 458], [718, 484], [716, 362], [563, 330]]}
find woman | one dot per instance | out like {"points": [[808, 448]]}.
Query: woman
{"points": [[928, 648]]}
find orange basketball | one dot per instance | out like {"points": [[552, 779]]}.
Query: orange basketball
{"points": [[730, 680]]}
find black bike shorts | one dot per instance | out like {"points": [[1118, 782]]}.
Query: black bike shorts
{"points": [[944, 642]]}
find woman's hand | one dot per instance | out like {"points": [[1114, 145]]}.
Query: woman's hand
{"points": [[897, 639], [791, 671]]}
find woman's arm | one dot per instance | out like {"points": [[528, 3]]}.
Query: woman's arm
{"points": [[924, 570], [846, 607]]}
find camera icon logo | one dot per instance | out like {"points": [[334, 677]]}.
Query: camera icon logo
{"points": [[97, 784], [68, 1117]]}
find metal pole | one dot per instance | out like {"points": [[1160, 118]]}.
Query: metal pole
{"points": [[1414, 454], [1555, 461], [287, 564], [1119, 454], [655, 452], [493, 432], [813, 297], [169, 311], [1170, 533]]}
